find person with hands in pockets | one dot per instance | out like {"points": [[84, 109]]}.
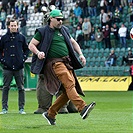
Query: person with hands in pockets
{"points": [[13, 53]]}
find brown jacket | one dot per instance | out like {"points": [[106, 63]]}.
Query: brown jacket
{"points": [[51, 81]]}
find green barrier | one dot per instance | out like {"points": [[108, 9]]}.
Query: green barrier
{"points": [[30, 78]]}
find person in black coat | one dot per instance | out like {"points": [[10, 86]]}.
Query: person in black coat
{"points": [[128, 59], [13, 53]]}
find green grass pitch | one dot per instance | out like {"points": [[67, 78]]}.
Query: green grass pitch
{"points": [[112, 114]]}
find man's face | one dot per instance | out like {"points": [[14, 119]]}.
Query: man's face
{"points": [[57, 22], [129, 52], [13, 27]]}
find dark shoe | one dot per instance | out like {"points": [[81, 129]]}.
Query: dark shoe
{"points": [[50, 120], [87, 109], [63, 111], [39, 111], [71, 108]]}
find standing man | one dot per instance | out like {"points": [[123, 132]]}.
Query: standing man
{"points": [[123, 34], [103, 16], [54, 56], [13, 53]]}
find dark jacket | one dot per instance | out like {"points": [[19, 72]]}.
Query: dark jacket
{"points": [[12, 2], [47, 35], [13, 51], [129, 62], [112, 56]]}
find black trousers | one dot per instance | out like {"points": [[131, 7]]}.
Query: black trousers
{"points": [[128, 62], [7, 78]]}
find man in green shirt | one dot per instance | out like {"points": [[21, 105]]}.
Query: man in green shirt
{"points": [[54, 56]]}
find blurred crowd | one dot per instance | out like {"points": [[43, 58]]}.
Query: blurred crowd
{"points": [[107, 22], [102, 21]]}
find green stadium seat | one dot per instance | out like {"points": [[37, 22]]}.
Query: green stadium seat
{"points": [[100, 71], [110, 71], [105, 54], [85, 51], [91, 64], [117, 50], [116, 71], [88, 43], [105, 71], [121, 70], [126, 70], [91, 50], [97, 63], [87, 60], [94, 71], [107, 50], [101, 50], [100, 54], [102, 63], [90, 54]]}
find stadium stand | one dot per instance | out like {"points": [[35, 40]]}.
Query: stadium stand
{"points": [[95, 57]]}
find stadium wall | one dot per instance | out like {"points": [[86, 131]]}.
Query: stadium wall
{"points": [[113, 83]]}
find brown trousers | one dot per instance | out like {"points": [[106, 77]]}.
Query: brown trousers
{"points": [[67, 79]]}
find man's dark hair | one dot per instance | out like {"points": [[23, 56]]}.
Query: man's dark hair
{"points": [[12, 20]]}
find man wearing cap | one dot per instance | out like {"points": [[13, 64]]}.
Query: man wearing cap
{"points": [[54, 56]]}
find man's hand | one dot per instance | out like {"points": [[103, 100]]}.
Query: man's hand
{"points": [[83, 60], [41, 55]]}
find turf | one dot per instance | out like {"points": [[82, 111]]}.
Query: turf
{"points": [[112, 114]]}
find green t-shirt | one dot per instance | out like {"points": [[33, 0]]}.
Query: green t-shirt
{"points": [[58, 46]]}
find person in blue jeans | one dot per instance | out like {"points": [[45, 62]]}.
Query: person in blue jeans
{"points": [[111, 60]]}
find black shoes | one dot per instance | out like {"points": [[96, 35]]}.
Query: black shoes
{"points": [[87, 109], [84, 113], [50, 120]]}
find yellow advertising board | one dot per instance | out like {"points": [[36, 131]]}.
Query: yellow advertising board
{"points": [[113, 83]]}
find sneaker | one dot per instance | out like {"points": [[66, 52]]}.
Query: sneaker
{"points": [[87, 109], [4, 111], [21, 111], [50, 120]]}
